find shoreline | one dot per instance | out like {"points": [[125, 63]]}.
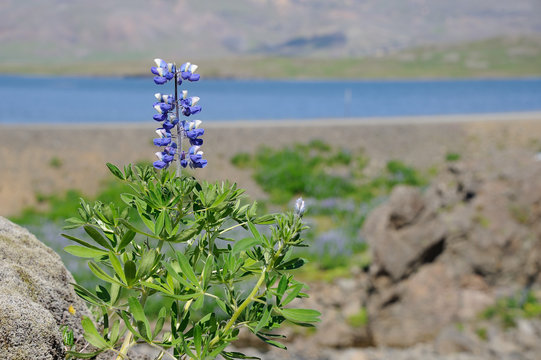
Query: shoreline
{"points": [[48, 159], [342, 121]]}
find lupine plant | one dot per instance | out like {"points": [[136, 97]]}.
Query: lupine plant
{"points": [[177, 245]]}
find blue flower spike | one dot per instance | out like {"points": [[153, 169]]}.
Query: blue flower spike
{"points": [[168, 108]]}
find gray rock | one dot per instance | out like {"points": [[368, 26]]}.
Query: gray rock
{"points": [[444, 255], [35, 295]]}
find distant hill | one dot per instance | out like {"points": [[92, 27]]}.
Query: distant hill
{"points": [[49, 34]]}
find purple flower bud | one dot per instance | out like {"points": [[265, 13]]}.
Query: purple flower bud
{"points": [[166, 107], [159, 164], [167, 125], [169, 75], [167, 158], [183, 155], [195, 109], [183, 163], [197, 142], [171, 150], [179, 81], [160, 80], [197, 161], [162, 141], [194, 77], [192, 134], [185, 75], [154, 70], [193, 150], [160, 117]]}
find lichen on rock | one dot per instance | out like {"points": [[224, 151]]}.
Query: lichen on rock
{"points": [[35, 297]]}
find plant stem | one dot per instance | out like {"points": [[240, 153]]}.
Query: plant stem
{"points": [[242, 306], [127, 343], [179, 134]]}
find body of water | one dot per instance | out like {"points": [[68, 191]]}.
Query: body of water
{"points": [[80, 99]]}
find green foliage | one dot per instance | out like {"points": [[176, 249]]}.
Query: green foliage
{"points": [[241, 160], [310, 169], [507, 310], [359, 319], [55, 162], [298, 170], [452, 156], [203, 271], [482, 333], [59, 207]]}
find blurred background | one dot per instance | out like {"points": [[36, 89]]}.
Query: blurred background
{"points": [[411, 128]]}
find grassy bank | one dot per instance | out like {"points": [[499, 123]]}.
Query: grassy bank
{"points": [[499, 57]]}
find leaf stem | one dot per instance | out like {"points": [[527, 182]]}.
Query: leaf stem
{"points": [[127, 343]]}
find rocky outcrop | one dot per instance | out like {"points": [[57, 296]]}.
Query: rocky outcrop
{"points": [[443, 255], [35, 297]]}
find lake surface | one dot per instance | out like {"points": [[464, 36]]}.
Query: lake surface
{"points": [[80, 99]]}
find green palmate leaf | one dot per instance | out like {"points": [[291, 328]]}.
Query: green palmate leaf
{"points": [[186, 234], [160, 322], [168, 225], [272, 342], [126, 239], [84, 252], [115, 332], [188, 351], [78, 355], [147, 263], [207, 271], [130, 272], [264, 319], [187, 268], [255, 232], [301, 315], [87, 295], [115, 171], [197, 339], [178, 277], [291, 264], [265, 219], [79, 241], [103, 294], [244, 244], [91, 334], [115, 293], [231, 355], [157, 287], [102, 274], [139, 315], [198, 304], [282, 286], [222, 306], [133, 228], [127, 321], [160, 223], [95, 234], [117, 267], [294, 291]]}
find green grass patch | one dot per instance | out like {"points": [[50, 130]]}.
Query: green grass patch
{"points": [[508, 310], [452, 156], [359, 319]]}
